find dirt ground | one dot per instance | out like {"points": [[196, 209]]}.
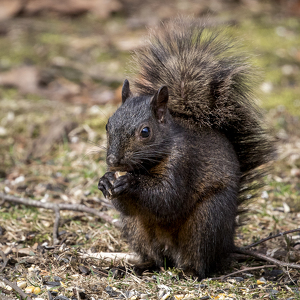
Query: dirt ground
{"points": [[62, 66]]}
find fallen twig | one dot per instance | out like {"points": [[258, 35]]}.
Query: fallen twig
{"points": [[11, 284], [244, 270], [15, 288], [5, 260], [115, 256], [56, 207], [272, 237], [267, 258], [60, 206], [55, 226]]}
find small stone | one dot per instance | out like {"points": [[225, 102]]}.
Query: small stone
{"points": [[27, 252], [144, 296], [36, 290], [22, 284], [205, 298], [29, 289]]}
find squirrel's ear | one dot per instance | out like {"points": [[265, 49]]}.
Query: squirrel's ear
{"points": [[159, 103], [126, 93]]}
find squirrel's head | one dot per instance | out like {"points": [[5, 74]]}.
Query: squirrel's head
{"points": [[137, 133]]}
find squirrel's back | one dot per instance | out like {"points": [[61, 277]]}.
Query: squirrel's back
{"points": [[209, 85]]}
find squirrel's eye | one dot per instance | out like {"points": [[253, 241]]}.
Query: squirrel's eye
{"points": [[145, 132], [106, 127]]}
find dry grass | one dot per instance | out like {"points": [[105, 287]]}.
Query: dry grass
{"points": [[70, 170]]}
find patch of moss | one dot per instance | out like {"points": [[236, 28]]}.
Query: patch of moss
{"points": [[288, 98], [273, 42]]}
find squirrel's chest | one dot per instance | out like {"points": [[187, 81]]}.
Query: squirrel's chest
{"points": [[165, 239]]}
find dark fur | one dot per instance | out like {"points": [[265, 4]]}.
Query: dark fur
{"points": [[180, 197]]}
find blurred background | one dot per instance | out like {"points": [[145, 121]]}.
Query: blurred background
{"points": [[62, 65]]}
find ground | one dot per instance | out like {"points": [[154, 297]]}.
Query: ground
{"points": [[60, 79]]}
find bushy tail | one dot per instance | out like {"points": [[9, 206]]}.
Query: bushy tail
{"points": [[209, 84]]}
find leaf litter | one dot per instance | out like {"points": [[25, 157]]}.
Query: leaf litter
{"points": [[67, 84]]}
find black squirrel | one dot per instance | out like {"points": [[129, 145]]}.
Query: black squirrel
{"points": [[192, 143]]}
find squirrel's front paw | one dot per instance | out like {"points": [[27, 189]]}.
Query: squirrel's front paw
{"points": [[122, 184], [111, 186], [105, 184]]}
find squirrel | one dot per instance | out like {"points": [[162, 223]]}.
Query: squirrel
{"points": [[191, 143]]}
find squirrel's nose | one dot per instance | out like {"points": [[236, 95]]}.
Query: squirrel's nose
{"points": [[111, 159]]}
